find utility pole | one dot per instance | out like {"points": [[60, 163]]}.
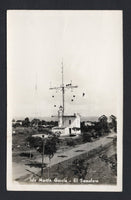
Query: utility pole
{"points": [[62, 88]]}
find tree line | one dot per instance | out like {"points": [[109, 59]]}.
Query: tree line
{"points": [[33, 123]]}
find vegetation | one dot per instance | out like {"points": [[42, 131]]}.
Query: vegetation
{"points": [[71, 142], [98, 129], [37, 123], [29, 155], [50, 145], [113, 124], [79, 168], [26, 122], [24, 130], [86, 136]]}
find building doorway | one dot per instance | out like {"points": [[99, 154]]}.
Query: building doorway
{"points": [[70, 131]]}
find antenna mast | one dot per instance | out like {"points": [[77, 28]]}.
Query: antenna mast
{"points": [[62, 88]]}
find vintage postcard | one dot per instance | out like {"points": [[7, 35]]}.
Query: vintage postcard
{"points": [[64, 100]]}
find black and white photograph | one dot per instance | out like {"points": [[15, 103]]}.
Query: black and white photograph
{"points": [[64, 100]]}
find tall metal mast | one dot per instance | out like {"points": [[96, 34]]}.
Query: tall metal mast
{"points": [[62, 87]]}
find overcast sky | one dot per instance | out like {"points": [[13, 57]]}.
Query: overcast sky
{"points": [[90, 44]]}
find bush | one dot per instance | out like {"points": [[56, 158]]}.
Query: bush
{"points": [[79, 168], [26, 155], [94, 134], [34, 141], [71, 143], [86, 137]]}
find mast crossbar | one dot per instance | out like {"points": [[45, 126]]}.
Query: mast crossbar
{"points": [[62, 87]]}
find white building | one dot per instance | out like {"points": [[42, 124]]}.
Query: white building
{"points": [[89, 123], [67, 124]]}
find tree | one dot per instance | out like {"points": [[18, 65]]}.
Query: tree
{"points": [[34, 142], [83, 127], [35, 122], [50, 149], [26, 122], [103, 124], [113, 122], [50, 145]]}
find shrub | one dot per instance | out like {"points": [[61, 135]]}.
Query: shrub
{"points": [[79, 168], [34, 141], [71, 143], [86, 137], [26, 155]]}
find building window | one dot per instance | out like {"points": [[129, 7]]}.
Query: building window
{"points": [[69, 121]]}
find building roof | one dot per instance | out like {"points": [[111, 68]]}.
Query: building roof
{"points": [[75, 115], [63, 127], [69, 115], [57, 127]]}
